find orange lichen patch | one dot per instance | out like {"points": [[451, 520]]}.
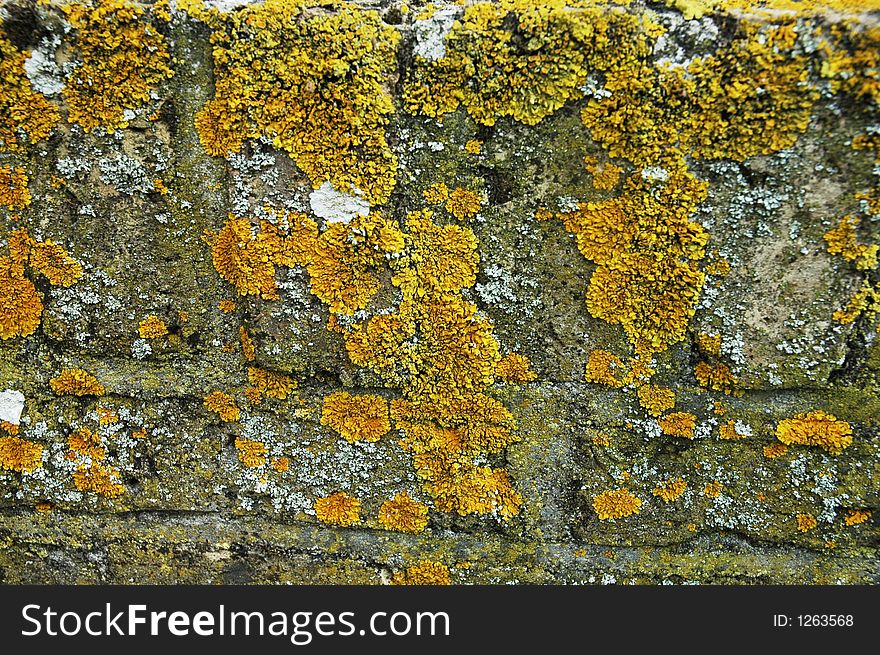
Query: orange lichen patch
{"points": [[717, 377], [436, 194], [160, 187], [152, 327], [43, 508], [842, 240], [251, 453], [52, 261], [773, 451], [816, 428], [246, 257], [20, 304], [107, 416], [76, 382], [403, 514], [247, 344], [806, 522], [124, 57], [226, 306], [9, 428], [338, 509], [728, 432], [271, 383], [602, 440], [14, 192], [473, 147], [717, 265], [343, 268], [463, 203], [356, 418], [670, 490], [605, 174], [316, 83], [20, 455], [713, 489], [678, 424], [139, 434], [605, 368], [25, 113], [514, 368], [423, 573], [616, 504], [253, 395], [656, 400], [281, 464], [223, 405], [85, 443], [857, 516], [99, 478]]}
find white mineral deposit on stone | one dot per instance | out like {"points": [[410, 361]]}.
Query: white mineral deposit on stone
{"points": [[11, 406], [431, 33], [336, 206]]}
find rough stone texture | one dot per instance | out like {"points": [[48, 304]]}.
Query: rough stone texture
{"points": [[192, 512]]}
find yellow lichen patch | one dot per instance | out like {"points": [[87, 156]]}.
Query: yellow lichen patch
{"points": [[98, 478], [842, 240], [816, 428], [281, 464], [52, 261], [356, 418], [338, 509], [656, 400], [775, 450], [436, 194], [124, 57], [605, 368], [473, 147], [403, 514], [463, 203], [728, 431], [605, 174], [251, 453], [248, 350], [717, 377], [678, 424], [713, 489], [226, 306], [316, 83], [20, 304], [602, 440], [76, 382], [616, 504], [857, 516], [9, 428], [423, 573], [709, 344], [437, 258], [25, 113], [521, 59], [20, 455], [670, 490], [271, 383], [152, 327], [515, 368], [14, 192], [864, 302], [223, 405], [806, 522]]}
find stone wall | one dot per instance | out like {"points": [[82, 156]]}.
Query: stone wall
{"points": [[474, 293]]}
